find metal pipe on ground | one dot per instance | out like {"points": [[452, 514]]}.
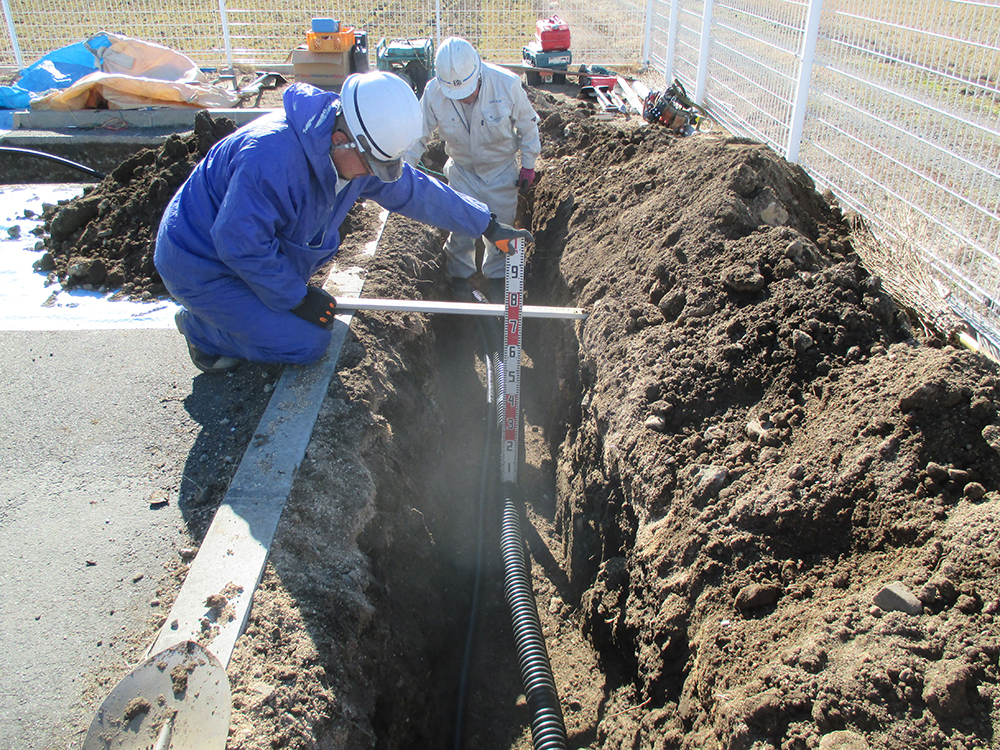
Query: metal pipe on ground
{"points": [[455, 308]]}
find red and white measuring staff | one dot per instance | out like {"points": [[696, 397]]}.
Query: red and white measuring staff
{"points": [[513, 309]]}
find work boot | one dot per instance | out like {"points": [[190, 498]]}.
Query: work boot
{"points": [[203, 360], [212, 362]]}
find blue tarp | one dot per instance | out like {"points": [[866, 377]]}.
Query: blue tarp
{"points": [[57, 70]]}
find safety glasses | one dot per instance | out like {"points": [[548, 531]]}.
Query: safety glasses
{"points": [[387, 171]]}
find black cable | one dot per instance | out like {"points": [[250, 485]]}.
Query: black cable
{"points": [[52, 157], [492, 396]]}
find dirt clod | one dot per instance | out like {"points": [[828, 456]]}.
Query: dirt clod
{"points": [[104, 239], [135, 707]]}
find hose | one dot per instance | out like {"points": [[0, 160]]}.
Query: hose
{"points": [[548, 731], [52, 157]]}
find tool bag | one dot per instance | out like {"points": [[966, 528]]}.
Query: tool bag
{"points": [[671, 108]]}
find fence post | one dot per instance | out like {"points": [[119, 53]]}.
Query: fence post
{"points": [[706, 28], [437, 24], [805, 77], [668, 68], [225, 35], [647, 34], [13, 35]]}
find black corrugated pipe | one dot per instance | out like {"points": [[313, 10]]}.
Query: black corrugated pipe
{"points": [[51, 157], [548, 731]]}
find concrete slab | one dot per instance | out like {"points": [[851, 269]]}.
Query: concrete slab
{"points": [[97, 424], [98, 139], [171, 119]]}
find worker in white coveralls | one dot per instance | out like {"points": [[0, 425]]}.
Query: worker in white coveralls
{"points": [[239, 242], [484, 118]]}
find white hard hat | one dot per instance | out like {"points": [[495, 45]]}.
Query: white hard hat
{"points": [[384, 119], [457, 67]]}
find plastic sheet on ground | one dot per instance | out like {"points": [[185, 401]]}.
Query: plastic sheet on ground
{"points": [[27, 304], [114, 72]]}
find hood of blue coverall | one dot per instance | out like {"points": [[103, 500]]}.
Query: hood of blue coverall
{"points": [[262, 205]]}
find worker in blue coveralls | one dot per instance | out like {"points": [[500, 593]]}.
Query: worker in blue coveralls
{"points": [[260, 214]]}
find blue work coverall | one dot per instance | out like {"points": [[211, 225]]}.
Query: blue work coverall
{"points": [[260, 214]]}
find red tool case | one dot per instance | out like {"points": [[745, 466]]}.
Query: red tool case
{"points": [[609, 81], [552, 33]]}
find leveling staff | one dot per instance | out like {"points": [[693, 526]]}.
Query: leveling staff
{"points": [[260, 214]]}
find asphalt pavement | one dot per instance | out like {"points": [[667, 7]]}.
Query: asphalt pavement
{"points": [[107, 428], [96, 428]]}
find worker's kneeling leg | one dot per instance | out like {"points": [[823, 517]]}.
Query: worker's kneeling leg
{"points": [[238, 324]]}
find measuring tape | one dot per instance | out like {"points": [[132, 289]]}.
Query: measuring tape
{"points": [[513, 308]]}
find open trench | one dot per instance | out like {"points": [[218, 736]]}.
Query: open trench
{"points": [[745, 443], [384, 607]]}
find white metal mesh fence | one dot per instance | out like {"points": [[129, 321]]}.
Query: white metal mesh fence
{"points": [[904, 125], [257, 32], [894, 105], [755, 79]]}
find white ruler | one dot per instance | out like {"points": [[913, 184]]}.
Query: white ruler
{"points": [[513, 309]]}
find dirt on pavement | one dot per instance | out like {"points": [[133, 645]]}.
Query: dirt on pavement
{"points": [[761, 496]]}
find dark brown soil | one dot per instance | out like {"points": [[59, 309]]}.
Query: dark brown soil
{"points": [[762, 499], [105, 238]]}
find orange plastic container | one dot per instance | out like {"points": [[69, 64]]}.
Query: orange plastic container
{"points": [[552, 33], [333, 41]]}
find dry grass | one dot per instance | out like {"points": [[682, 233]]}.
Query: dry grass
{"points": [[904, 275]]}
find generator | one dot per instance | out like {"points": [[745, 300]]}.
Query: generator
{"points": [[410, 59]]}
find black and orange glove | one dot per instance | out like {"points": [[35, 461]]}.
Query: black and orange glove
{"points": [[502, 235], [317, 307]]}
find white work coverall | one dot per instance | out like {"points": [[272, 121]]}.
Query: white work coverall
{"points": [[482, 141]]}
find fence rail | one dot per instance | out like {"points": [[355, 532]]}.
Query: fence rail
{"points": [[893, 105]]}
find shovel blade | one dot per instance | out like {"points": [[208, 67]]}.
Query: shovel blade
{"points": [[184, 686]]}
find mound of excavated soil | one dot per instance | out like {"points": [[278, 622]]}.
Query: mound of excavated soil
{"points": [[104, 239], [764, 509], [764, 454]]}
